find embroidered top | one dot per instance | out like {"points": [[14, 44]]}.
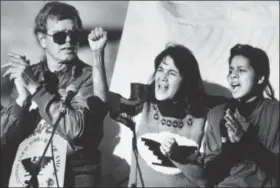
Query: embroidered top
{"points": [[149, 167]]}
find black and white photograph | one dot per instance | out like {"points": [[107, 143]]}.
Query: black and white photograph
{"points": [[139, 94]]}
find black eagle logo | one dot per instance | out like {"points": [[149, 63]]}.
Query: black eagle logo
{"points": [[154, 146], [33, 167]]}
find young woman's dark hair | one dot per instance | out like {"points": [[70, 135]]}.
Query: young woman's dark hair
{"points": [[191, 91], [260, 63]]}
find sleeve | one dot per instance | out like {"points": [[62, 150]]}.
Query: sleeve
{"points": [[267, 157], [123, 110], [218, 157], [264, 158], [211, 141], [72, 125], [15, 121]]}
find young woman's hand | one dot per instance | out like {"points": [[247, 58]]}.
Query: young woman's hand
{"points": [[234, 126]]}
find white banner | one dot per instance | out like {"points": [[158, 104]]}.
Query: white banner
{"points": [[208, 29], [29, 153]]}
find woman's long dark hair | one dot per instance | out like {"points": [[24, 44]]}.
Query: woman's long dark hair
{"points": [[191, 91], [259, 62]]}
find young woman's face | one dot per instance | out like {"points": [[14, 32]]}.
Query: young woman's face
{"points": [[241, 77], [167, 80]]}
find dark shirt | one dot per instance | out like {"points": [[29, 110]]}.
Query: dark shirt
{"points": [[81, 125], [254, 161]]}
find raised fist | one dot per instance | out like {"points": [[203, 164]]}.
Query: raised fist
{"points": [[97, 39]]}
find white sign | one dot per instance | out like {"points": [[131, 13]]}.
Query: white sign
{"points": [[29, 154]]}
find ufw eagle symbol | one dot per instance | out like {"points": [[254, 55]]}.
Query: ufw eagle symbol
{"points": [[154, 146], [33, 167]]}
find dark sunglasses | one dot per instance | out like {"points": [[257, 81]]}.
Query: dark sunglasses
{"points": [[60, 37]]}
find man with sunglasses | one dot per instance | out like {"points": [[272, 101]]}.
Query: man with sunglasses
{"points": [[60, 81]]}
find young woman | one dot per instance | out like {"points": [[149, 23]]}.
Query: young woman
{"points": [[170, 122], [242, 136]]}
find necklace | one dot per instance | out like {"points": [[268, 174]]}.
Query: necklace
{"points": [[176, 123]]}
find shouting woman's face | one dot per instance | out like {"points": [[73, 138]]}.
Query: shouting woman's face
{"points": [[167, 80], [241, 78]]}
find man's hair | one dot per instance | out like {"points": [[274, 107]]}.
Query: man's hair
{"points": [[58, 11]]}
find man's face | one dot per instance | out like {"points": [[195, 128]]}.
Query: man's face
{"points": [[65, 48]]}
